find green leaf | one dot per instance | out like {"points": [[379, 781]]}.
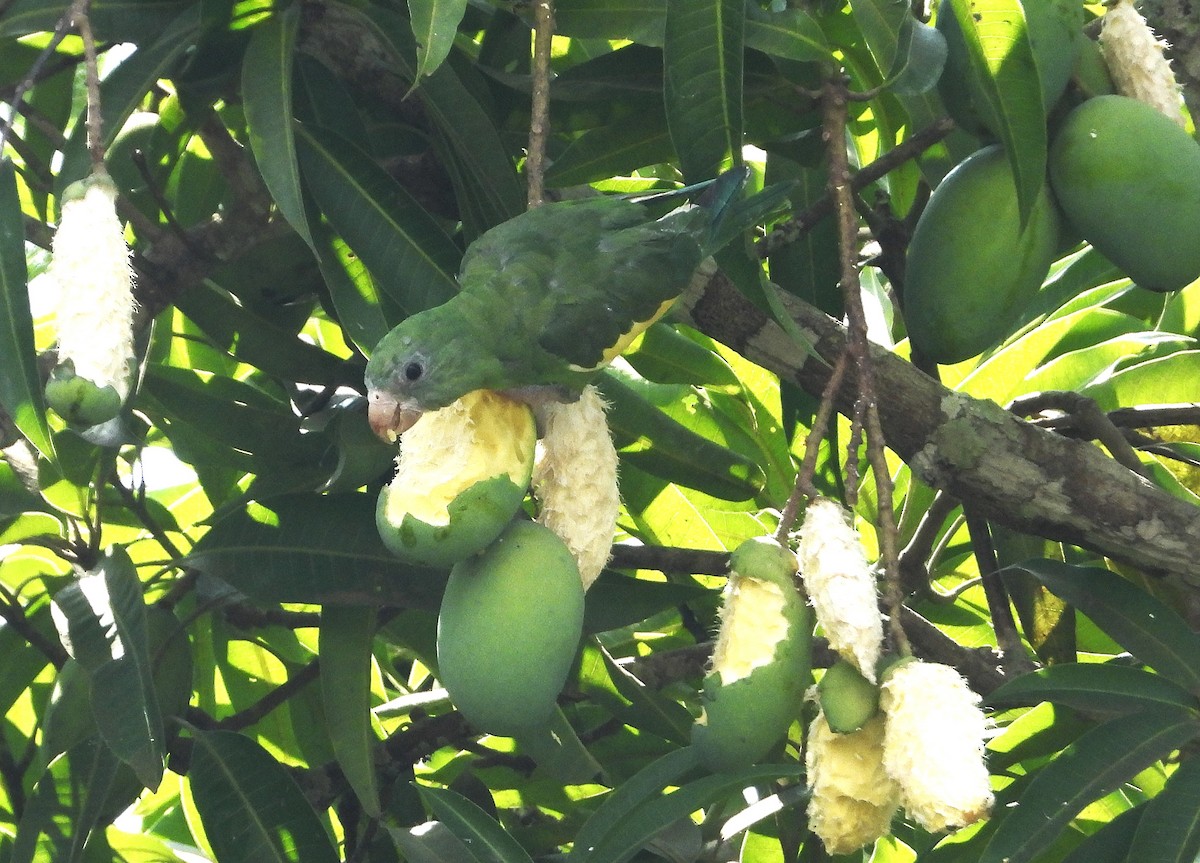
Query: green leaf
{"points": [[920, 57], [251, 808], [651, 440], [1109, 844], [616, 600], [1001, 58], [240, 416], [559, 752], [1158, 381], [613, 149], [1102, 689], [1136, 620], [347, 634], [667, 356], [793, 34], [315, 549], [357, 301], [1097, 763], [622, 837], [636, 20], [137, 21], [434, 24], [259, 342], [102, 623], [20, 385], [702, 60], [380, 221], [628, 699], [625, 800], [487, 840], [489, 189], [267, 99], [1169, 829]]}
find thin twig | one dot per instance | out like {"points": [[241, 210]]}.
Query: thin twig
{"points": [[834, 113], [14, 615], [1088, 419], [789, 231], [914, 569], [804, 486], [95, 123], [1003, 622], [274, 698], [32, 76], [539, 116]]}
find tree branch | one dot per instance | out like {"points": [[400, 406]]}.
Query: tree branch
{"points": [[1013, 472]]}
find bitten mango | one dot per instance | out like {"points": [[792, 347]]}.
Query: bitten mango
{"points": [[1128, 179], [510, 622], [761, 661], [463, 473], [971, 268]]}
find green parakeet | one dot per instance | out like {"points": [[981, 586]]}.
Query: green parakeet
{"points": [[548, 298]]}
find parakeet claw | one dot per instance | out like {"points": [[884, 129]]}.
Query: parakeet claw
{"points": [[389, 418]]}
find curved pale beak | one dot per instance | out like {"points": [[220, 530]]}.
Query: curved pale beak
{"points": [[389, 417]]}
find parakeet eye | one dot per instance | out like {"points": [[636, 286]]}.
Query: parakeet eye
{"points": [[413, 371]]}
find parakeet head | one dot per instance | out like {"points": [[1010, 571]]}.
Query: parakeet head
{"points": [[420, 365]]}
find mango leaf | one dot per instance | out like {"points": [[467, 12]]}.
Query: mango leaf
{"points": [[490, 190], [487, 840], [919, 59], [628, 699], [637, 811], [251, 808], [792, 33], [1097, 763], [639, 21], [1002, 61], [123, 91], [1169, 829], [702, 62], [380, 221], [616, 600], [137, 21], [667, 356], [347, 633], [434, 24], [1141, 624], [613, 149], [20, 385], [260, 342], [559, 752], [1158, 381], [83, 790], [362, 309], [1109, 844], [322, 549], [651, 440], [101, 620], [1035, 734], [1103, 690], [267, 99]]}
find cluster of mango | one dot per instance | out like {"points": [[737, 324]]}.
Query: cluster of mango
{"points": [[1122, 175]]}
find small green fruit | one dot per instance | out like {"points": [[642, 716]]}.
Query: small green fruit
{"points": [[463, 474], [1128, 179], [761, 660], [971, 268], [847, 698], [78, 400], [510, 623]]}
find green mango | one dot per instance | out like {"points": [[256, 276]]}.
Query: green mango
{"points": [[509, 626], [971, 268], [78, 400], [847, 698], [761, 660], [1055, 30], [1128, 179]]}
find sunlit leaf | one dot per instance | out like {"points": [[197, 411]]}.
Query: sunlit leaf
{"points": [[346, 636], [253, 811]]}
